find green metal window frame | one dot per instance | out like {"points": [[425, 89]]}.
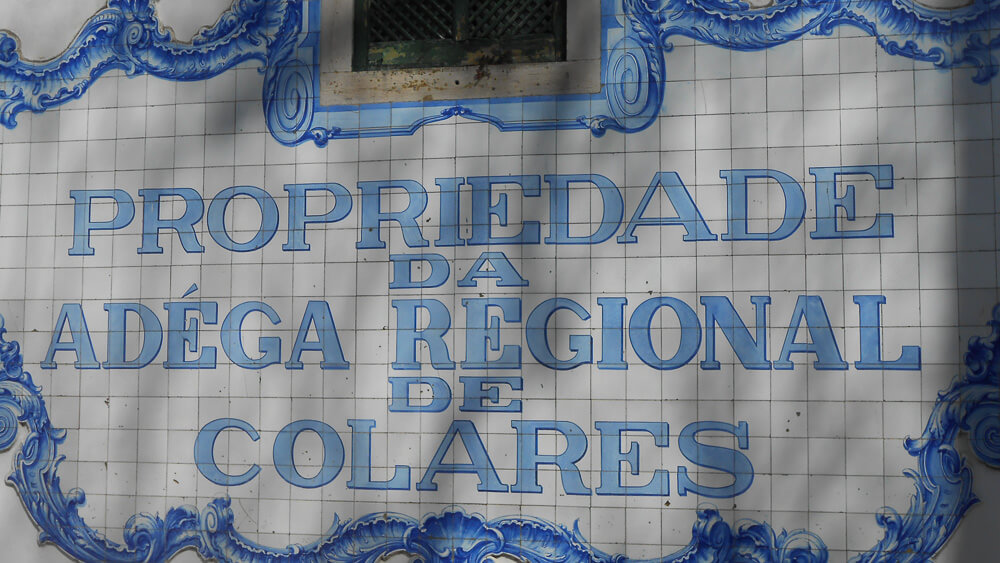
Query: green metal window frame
{"points": [[458, 47]]}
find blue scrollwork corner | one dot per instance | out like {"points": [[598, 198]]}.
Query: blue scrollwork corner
{"points": [[633, 76], [982, 385], [964, 35], [127, 36], [12, 390], [943, 479], [288, 105], [984, 427], [946, 37]]}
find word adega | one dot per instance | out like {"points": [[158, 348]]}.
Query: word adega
{"points": [[484, 349], [530, 438], [485, 211]]}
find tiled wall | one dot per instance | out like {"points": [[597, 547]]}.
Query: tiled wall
{"points": [[826, 446]]}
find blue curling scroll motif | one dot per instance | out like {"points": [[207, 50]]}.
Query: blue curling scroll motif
{"points": [[126, 36], [943, 483], [284, 37]]}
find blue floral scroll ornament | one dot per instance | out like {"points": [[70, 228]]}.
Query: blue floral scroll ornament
{"points": [[282, 36]]}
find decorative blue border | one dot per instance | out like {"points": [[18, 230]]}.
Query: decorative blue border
{"points": [[942, 479], [284, 37]]}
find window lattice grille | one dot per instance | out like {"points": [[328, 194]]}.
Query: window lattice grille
{"points": [[439, 33], [511, 18], [411, 20]]}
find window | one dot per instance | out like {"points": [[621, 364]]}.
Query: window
{"points": [[395, 34], [378, 51]]}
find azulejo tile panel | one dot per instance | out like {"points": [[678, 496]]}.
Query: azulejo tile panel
{"points": [[712, 288]]}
